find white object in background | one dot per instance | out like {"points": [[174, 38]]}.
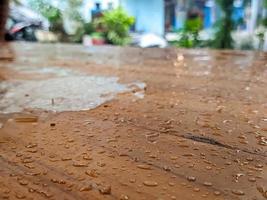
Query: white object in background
{"points": [[152, 40], [265, 44], [254, 15], [45, 36], [87, 40], [172, 37]]}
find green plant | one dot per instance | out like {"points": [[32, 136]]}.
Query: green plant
{"points": [[116, 25], [189, 35], [223, 38], [97, 35], [260, 33], [84, 29]]}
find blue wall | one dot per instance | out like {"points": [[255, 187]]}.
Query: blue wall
{"points": [[149, 14]]}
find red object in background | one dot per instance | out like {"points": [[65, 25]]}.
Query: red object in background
{"points": [[98, 41]]}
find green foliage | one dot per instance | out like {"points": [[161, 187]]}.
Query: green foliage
{"points": [[72, 10], [264, 20], [85, 29], [18, 2], [116, 24], [223, 38], [74, 3], [97, 35], [193, 25], [50, 12], [189, 35]]}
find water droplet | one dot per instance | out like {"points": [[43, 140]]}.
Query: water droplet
{"points": [[101, 164], [249, 159], [132, 180], [86, 157], [5, 196], [6, 191], [207, 184], [184, 145], [32, 173], [12, 175], [58, 181], [171, 184], [259, 165], [46, 194], [31, 145], [150, 183], [20, 196], [31, 190], [27, 160], [251, 179], [146, 167], [167, 168], [188, 154], [70, 140], [86, 188], [32, 150], [23, 182], [101, 151], [93, 173], [105, 189], [208, 167], [66, 158], [238, 192], [80, 164], [174, 158], [191, 178], [228, 163], [124, 197]]}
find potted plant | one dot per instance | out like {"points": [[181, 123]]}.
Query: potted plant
{"points": [[97, 38], [115, 25]]}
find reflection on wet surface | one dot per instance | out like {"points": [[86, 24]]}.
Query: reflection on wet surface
{"points": [[180, 124], [60, 94], [60, 89], [53, 71]]}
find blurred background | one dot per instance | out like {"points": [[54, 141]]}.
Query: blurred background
{"points": [[219, 24]]}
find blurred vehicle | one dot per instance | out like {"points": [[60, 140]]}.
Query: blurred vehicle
{"points": [[22, 24]]}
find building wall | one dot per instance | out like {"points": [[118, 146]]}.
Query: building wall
{"points": [[149, 15], [180, 13], [89, 5]]}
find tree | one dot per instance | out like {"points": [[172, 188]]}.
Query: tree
{"points": [[223, 38], [3, 17], [264, 20]]}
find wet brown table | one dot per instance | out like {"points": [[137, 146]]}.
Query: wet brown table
{"points": [[196, 128]]}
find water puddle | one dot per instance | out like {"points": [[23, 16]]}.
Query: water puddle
{"points": [[53, 70], [66, 91]]}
